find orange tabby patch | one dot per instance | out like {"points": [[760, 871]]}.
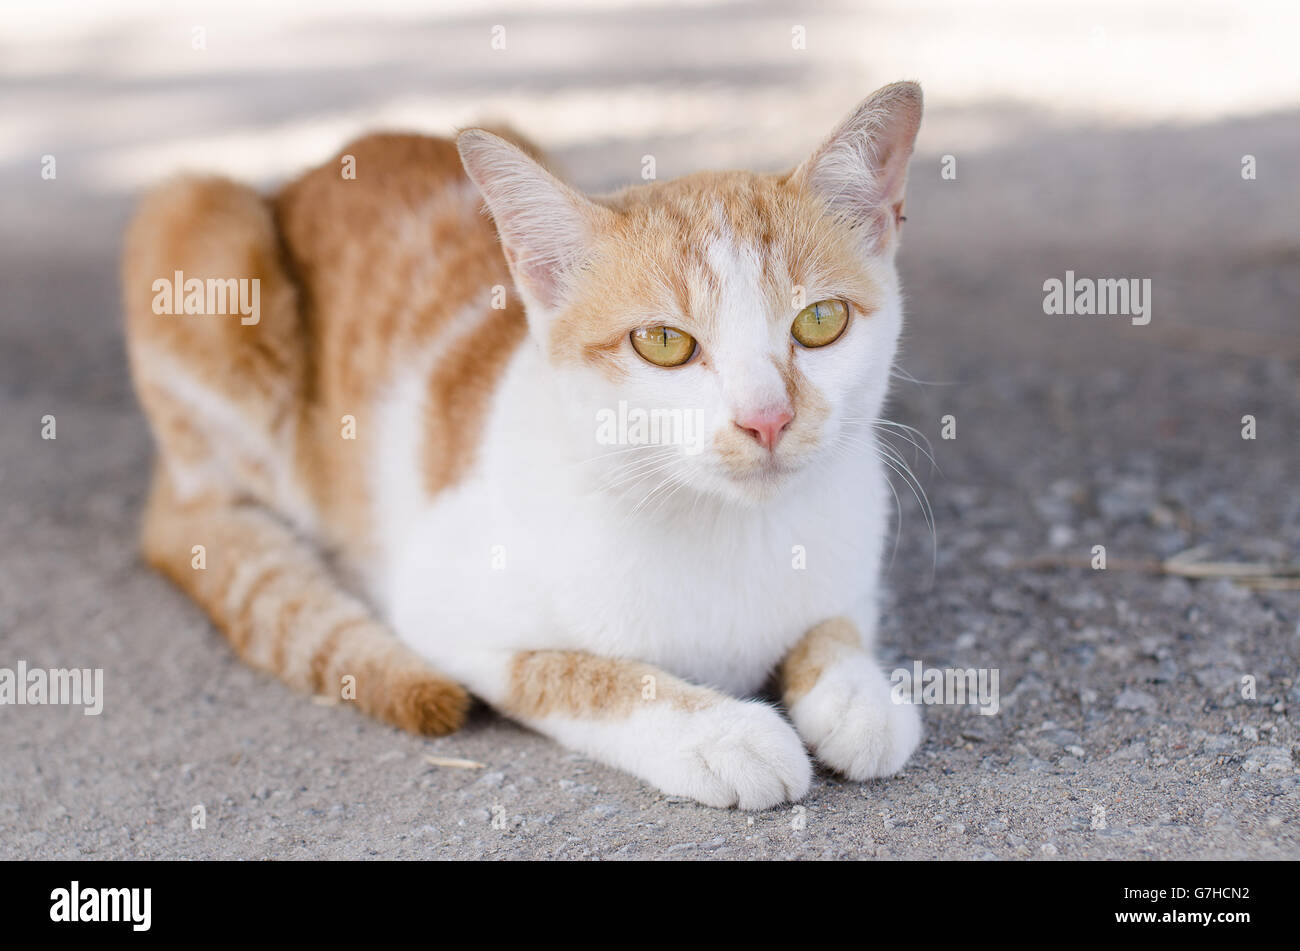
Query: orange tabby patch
{"points": [[817, 651], [571, 683]]}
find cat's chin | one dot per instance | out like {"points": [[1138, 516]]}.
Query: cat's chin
{"points": [[757, 485]]}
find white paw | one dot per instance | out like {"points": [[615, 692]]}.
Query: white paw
{"points": [[853, 724], [735, 753]]}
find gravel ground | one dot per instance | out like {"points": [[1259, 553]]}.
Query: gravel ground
{"points": [[1122, 730]]}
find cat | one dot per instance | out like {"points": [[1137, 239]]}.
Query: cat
{"points": [[390, 482]]}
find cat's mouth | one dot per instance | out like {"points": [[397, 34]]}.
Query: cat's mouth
{"points": [[763, 473]]}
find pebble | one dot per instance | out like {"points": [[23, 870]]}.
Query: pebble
{"points": [[1268, 760], [1133, 751], [1081, 600], [1136, 700], [1216, 677], [1219, 743], [1126, 497]]}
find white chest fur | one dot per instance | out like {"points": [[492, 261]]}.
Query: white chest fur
{"points": [[523, 555]]}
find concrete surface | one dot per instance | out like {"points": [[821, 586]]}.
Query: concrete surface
{"points": [[1122, 730]]}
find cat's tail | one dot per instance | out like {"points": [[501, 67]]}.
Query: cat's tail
{"points": [[283, 610]]}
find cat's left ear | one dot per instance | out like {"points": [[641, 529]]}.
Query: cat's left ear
{"points": [[860, 171], [546, 227]]}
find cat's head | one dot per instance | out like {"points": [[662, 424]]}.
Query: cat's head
{"points": [[722, 331]]}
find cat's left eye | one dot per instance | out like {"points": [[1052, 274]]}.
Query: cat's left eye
{"points": [[820, 323]]}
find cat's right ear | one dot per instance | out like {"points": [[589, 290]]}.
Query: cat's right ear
{"points": [[546, 227]]}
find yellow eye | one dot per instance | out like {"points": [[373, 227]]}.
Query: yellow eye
{"points": [[820, 323], [663, 346]]}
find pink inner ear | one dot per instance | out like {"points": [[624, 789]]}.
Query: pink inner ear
{"points": [[891, 165], [879, 225], [539, 277], [543, 224], [882, 222]]}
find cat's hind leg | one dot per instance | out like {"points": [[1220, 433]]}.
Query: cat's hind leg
{"points": [[284, 611], [842, 704], [223, 383]]}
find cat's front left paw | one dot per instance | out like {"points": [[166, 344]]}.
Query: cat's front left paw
{"points": [[850, 721]]}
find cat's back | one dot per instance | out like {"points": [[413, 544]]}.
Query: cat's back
{"points": [[368, 196], [378, 263], [388, 242]]}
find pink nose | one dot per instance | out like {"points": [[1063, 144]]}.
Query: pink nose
{"points": [[766, 425]]}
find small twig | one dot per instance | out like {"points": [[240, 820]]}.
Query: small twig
{"points": [[1270, 584], [1184, 565], [454, 763]]}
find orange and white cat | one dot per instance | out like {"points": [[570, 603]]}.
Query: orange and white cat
{"points": [[397, 478]]}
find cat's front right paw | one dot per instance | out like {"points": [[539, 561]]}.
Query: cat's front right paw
{"points": [[736, 753]]}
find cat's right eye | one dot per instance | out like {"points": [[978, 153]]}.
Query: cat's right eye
{"points": [[663, 346]]}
